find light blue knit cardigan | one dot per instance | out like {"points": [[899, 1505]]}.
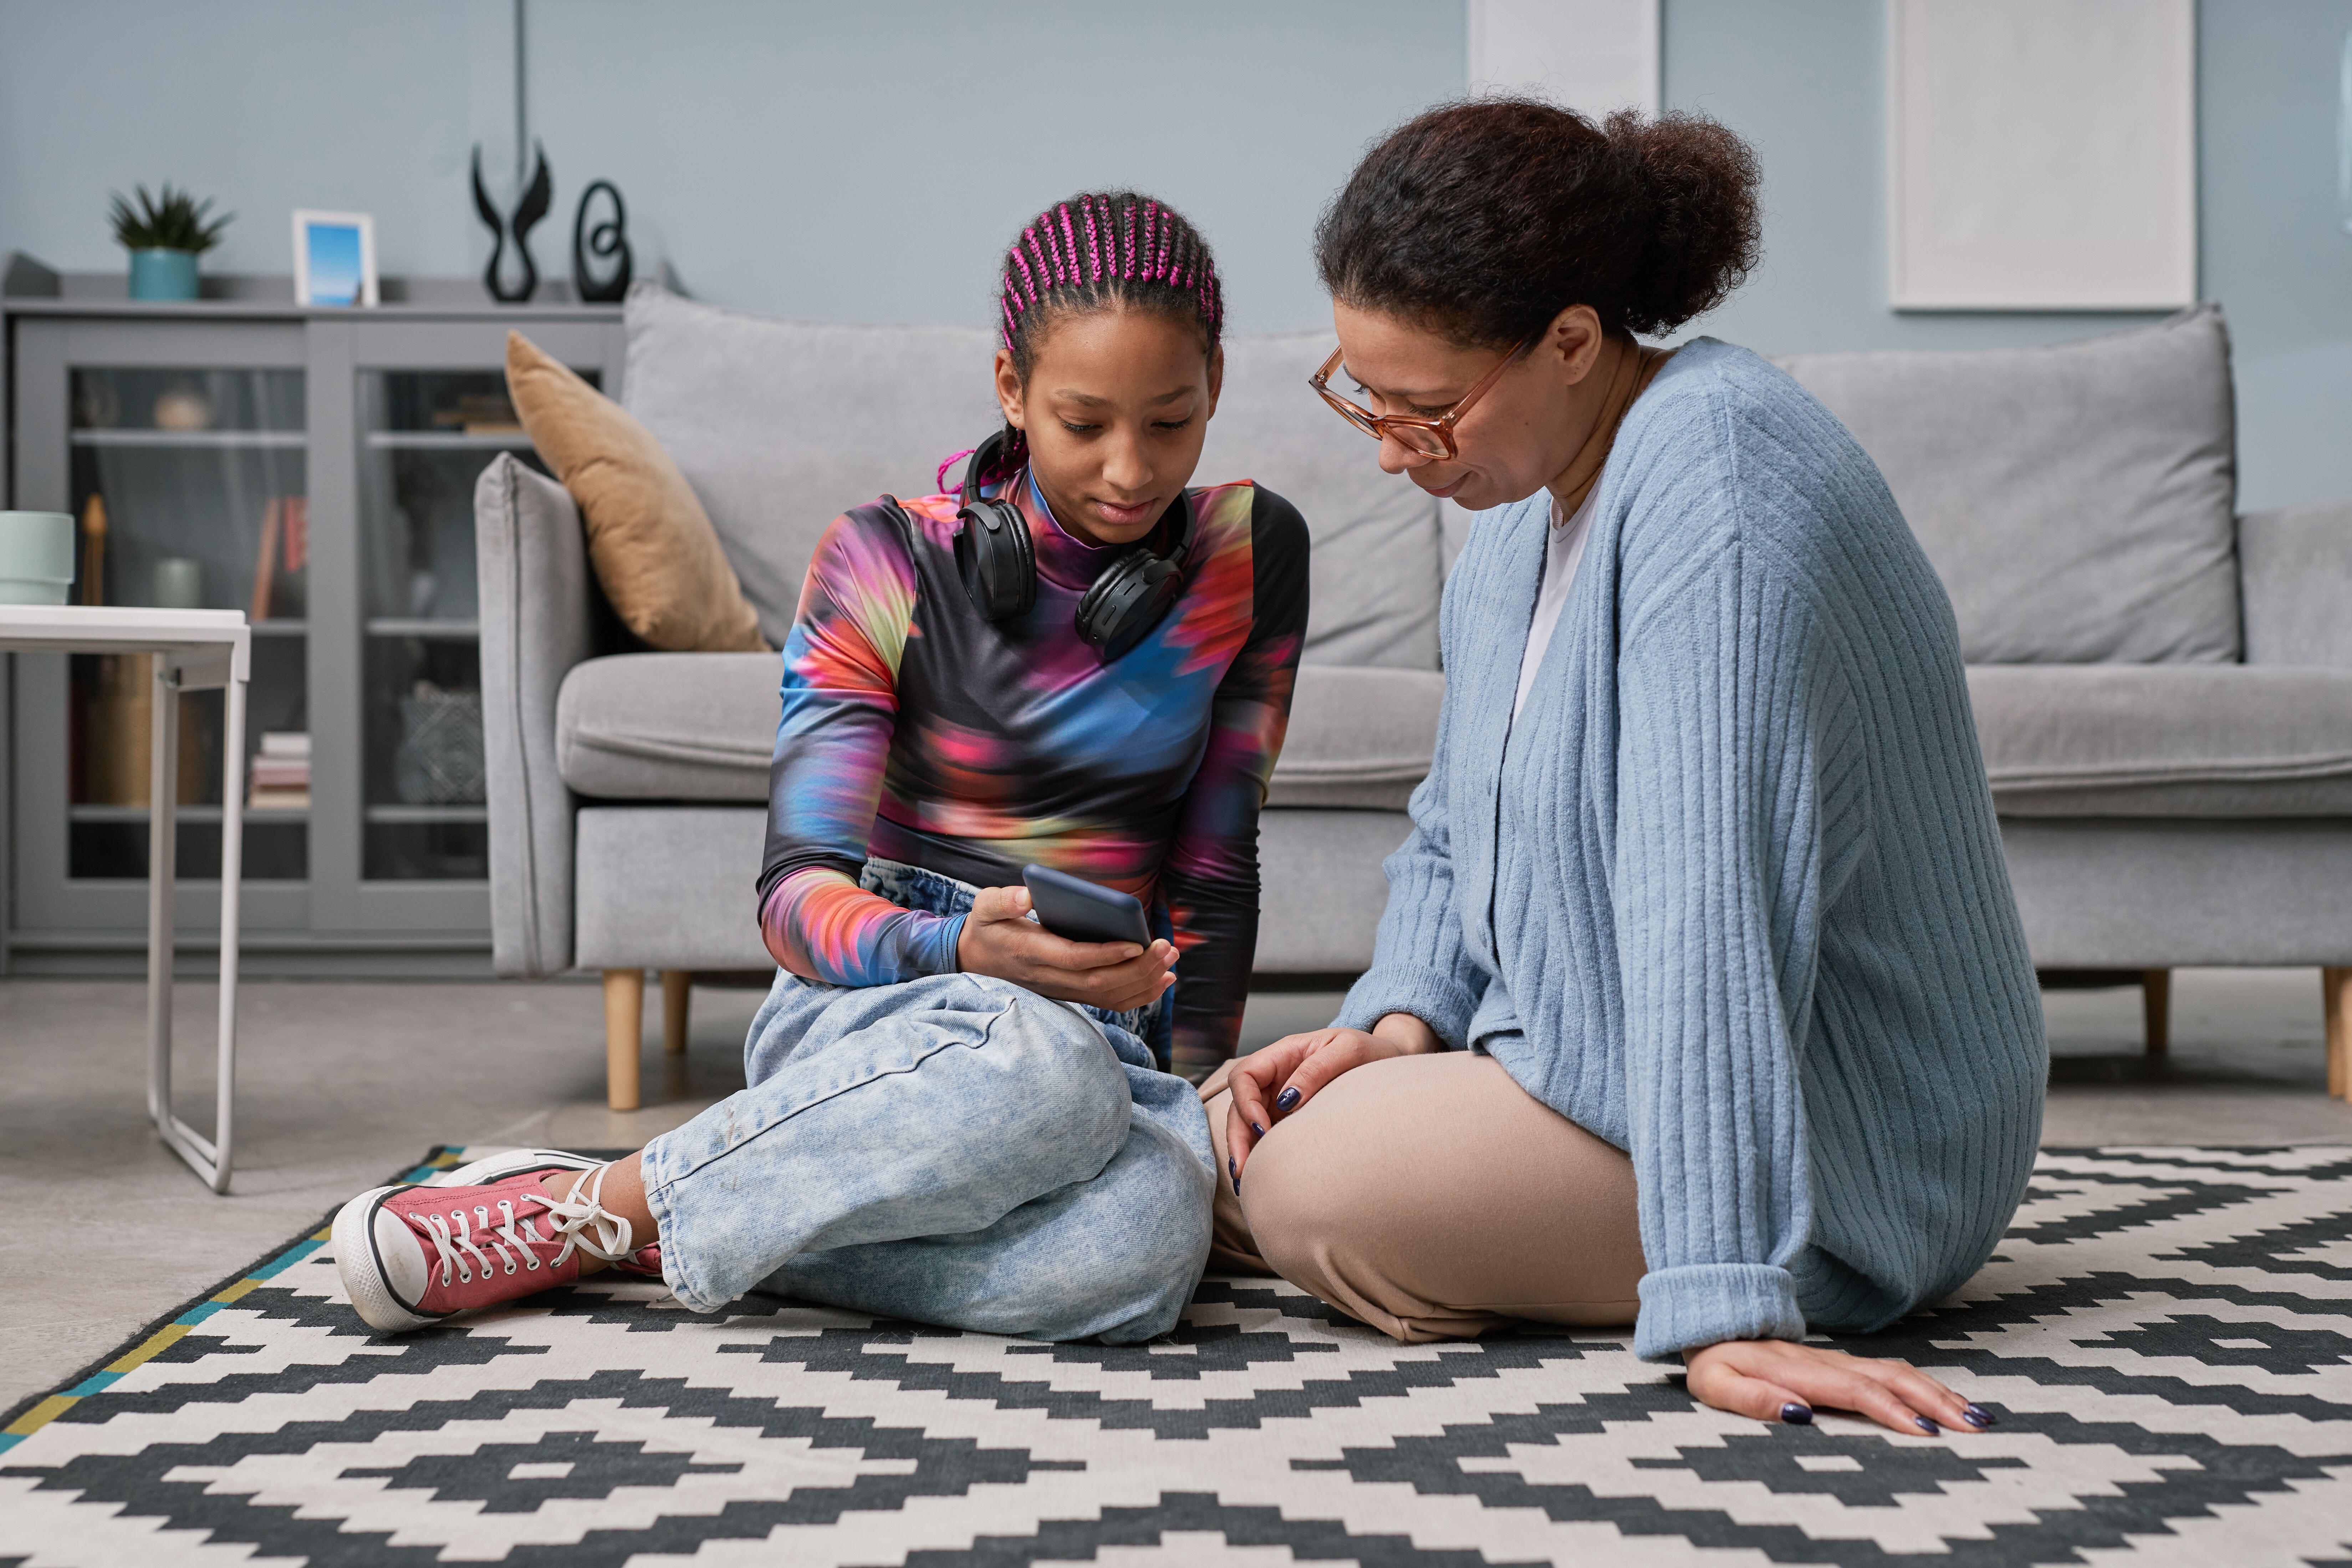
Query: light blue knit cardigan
{"points": [[1729, 893]]}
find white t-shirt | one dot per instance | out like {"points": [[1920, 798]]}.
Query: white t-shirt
{"points": [[1562, 551]]}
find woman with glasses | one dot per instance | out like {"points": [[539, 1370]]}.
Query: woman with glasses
{"points": [[1077, 659], [1701, 1001]]}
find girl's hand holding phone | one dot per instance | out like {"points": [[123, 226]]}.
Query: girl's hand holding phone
{"points": [[1000, 939]]}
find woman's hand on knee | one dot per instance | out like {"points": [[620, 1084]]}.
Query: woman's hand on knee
{"points": [[1779, 1379], [1274, 1081], [1000, 939]]}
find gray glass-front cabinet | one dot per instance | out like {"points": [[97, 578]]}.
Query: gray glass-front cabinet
{"points": [[315, 470]]}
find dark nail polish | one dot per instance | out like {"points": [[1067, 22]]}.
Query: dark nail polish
{"points": [[1285, 1100], [1256, 1129], [1233, 1169], [1237, 1186], [1977, 1416], [1927, 1426], [1797, 1414]]}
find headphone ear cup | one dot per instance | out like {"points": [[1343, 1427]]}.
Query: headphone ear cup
{"points": [[996, 559], [1131, 597]]}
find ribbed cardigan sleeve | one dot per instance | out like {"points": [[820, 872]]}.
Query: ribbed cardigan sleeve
{"points": [[1732, 755], [1421, 964]]}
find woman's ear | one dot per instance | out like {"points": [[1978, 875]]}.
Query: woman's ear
{"points": [[1573, 343], [1217, 380], [1008, 389]]}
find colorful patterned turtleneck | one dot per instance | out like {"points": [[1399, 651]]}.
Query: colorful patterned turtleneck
{"points": [[914, 731]]}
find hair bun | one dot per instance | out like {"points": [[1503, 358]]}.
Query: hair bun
{"points": [[1703, 234]]}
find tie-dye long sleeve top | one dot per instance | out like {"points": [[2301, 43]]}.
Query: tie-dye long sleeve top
{"points": [[914, 731]]}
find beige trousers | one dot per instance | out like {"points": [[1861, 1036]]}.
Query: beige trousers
{"points": [[1433, 1198]]}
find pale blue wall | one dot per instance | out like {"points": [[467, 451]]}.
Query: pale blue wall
{"points": [[864, 162], [826, 160], [267, 105], [1804, 81]]}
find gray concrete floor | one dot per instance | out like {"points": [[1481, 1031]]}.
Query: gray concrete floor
{"points": [[103, 1230]]}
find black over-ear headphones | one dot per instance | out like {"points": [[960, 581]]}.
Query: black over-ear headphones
{"points": [[998, 563]]}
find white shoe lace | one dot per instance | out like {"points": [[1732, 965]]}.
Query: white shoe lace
{"points": [[583, 1223]]}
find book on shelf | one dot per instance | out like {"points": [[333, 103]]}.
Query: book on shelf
{"points": [[478, 413], [281, 567], [279, 773]]}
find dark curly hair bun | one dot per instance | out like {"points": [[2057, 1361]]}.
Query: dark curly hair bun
{"points": [[1487, 218]]}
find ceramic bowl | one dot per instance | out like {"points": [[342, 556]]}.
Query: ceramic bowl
{"points": [[36, 557]]}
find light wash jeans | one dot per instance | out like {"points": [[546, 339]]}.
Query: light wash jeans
{"points": [[954, 1150]]}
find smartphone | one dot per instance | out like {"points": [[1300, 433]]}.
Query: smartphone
{"points": [[1081, 910]]}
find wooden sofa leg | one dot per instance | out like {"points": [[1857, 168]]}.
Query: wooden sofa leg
{"points": [[2335, 987], [678, 990], [2156, 1010], [625, 1011]]}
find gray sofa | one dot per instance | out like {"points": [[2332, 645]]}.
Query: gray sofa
{"points": [[2164, 690]]}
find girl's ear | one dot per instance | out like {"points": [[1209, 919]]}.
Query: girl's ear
{"points": [[1216, 379], [1008, 389]]}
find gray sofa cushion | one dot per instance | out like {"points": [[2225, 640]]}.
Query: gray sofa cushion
{"points": [[1374, 575], [781, 426], [669, 726], [1358, 737], [2077, 501], [2172, 740], [702, 726], [2295, 565]]}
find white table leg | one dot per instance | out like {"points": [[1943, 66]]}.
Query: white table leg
{"points": [[163, 820], [201, 1154], [232, 889]]}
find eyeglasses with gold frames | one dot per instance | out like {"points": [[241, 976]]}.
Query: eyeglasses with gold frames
{"points": [[1430, 437]]}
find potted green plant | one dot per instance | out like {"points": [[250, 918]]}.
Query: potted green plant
{"points": [[165, 236]]}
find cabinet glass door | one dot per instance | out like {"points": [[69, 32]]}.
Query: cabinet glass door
{"points": [[189, 487], [426, 437]]}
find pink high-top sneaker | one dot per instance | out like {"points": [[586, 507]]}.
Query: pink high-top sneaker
{"points": [[413, 1256], [539, 1164]]}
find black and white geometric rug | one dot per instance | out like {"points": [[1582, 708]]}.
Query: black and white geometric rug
{"points": [[2166, 1336]]}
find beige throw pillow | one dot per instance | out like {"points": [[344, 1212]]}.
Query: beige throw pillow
{"points": [[652, 545]]}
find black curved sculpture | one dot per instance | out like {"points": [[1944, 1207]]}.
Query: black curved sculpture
{"points": [[536, 200], [605, 239]]}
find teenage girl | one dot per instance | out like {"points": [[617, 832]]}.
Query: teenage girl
{"points": [[1074, 661]]}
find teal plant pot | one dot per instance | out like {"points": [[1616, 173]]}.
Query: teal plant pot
{"points": [[36, 557], [163, 274]]}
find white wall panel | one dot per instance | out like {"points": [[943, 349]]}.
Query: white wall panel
{"points": [[1593, 56]]}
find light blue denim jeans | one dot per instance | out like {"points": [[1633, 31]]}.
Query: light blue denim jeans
{"points": [[954, 1150]]}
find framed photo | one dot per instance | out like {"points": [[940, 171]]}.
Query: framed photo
{"points": [[334, 258], [2044, 155]]}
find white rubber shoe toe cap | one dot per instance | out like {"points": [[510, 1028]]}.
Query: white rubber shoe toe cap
{"points": [[384, 1265]]}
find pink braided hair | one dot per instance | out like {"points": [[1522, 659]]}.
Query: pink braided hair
{"points": [[1137, 252], [1149, 247]]}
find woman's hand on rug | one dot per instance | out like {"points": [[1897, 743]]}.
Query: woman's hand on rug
{"points": [[1274, 1081], [1000, 939], [1779, 1379]]}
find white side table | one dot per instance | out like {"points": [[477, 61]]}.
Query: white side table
{"points": [[195, 650]]}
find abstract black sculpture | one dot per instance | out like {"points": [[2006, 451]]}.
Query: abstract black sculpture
{"points": [[605, 239], [536, 199]]}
